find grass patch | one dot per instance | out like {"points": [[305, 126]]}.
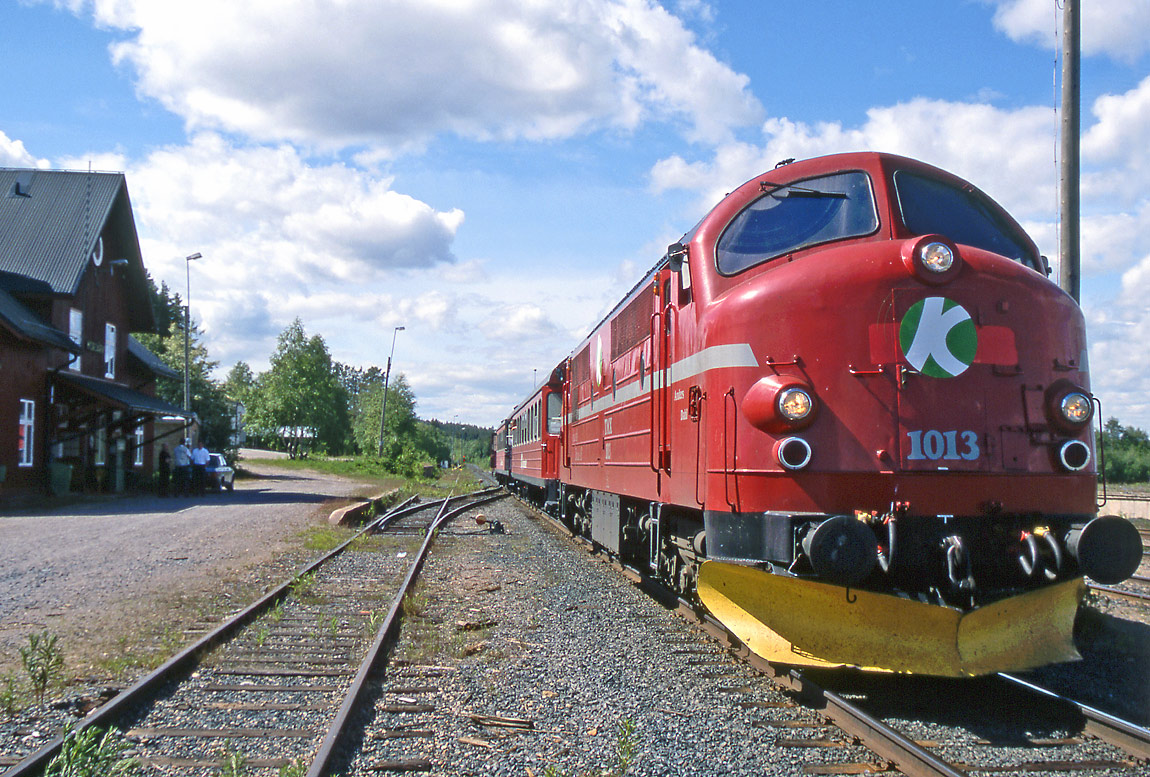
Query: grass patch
{"points": [[323, 537]]}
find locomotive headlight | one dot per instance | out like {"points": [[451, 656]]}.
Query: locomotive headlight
{"points": [[936, 257], [1076, 408], [795, 404], [1069, 407], [780, 404], [932, 259]]}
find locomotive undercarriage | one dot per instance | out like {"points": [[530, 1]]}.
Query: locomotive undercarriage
{"points": [[958, 561]]}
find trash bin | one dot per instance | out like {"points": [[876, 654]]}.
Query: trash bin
{"points": [[60, 477]]}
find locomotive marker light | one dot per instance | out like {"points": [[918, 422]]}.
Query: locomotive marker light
{"points": [[793, 453], [938, 337], [1074, 455]]}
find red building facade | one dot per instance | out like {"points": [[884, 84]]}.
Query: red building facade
{"points": [[77, 403]]}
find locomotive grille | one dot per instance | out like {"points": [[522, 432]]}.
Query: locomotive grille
{"points": [[633, 324], [581, 367]]}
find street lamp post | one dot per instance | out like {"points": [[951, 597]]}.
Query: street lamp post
{"points": [[187, 323], [386, 379]]}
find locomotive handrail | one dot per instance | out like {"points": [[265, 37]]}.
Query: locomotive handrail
{"points": [[734, 450], [567, 411], [656, 316], [700, 464], [1101, 451], [670, 313]]}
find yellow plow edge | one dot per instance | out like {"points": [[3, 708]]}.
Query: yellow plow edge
{"points": [[794, 621]]}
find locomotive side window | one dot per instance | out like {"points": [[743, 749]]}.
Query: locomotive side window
{"points": [[554, 413], [931, 206], [787, 218]]}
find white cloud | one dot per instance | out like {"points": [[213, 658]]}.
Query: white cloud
{"points": [[958, 137], [1116, 28], [393, 74], [274, 220], [14, 154]]}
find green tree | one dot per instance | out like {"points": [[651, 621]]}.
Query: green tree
{"points": [[206, 397], [1126, 451], [299, 399]]}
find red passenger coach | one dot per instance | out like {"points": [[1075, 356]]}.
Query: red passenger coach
{"points": [[527, 445], [852, 413]]}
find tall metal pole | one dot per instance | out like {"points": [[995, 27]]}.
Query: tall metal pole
{"points": [[187, 323], [1069, 275], [386, 380]]}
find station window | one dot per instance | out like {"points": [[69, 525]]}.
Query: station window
{"points": [[109, 350], [138, 460], [27, 429], [76, 334]]}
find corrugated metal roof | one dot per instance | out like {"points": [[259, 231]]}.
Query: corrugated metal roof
{"points": [[28, 325], [137, 350], [49, 223], [119, 394]]}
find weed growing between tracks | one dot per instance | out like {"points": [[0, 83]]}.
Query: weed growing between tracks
{"points": [[93, 752], [43, 662], [625, 750]]}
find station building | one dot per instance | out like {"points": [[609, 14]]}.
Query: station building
{"points": [[78, 410]]}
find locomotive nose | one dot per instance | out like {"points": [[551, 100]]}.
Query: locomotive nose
{"points": [[842, 550], [1108, 548]]}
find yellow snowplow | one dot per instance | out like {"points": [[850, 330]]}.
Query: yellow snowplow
{"points": [[795, 621]]}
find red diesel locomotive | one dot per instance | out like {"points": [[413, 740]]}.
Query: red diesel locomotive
{"points": [[849, 410]]}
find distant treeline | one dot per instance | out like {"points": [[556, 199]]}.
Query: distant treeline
{"points": [[1126, 453]]}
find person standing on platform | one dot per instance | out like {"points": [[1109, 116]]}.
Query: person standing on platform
{"points": [[165, 470], [182, 459], [200, 459]]}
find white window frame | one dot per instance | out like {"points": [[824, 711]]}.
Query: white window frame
{"points": [[26, 452], [138, 457], [100, 440], [110, 351], [76, 333]]}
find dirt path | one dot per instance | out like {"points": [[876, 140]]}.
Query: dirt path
{"points": [[95, 573]]}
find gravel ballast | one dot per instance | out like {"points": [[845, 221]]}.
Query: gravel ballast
{"points": [[523, 627]]}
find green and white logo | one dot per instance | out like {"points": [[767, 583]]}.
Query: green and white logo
{"points": [[938, 337]]}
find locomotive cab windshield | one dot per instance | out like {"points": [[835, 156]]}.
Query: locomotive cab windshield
{"points": [[932, 207], [799, 215]]}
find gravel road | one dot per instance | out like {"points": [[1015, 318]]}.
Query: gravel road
{"points": [[72, 570]]}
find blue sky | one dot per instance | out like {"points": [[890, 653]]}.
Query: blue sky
{"points": [[494, 174]]}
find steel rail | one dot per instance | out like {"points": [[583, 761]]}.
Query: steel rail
{"points": [[103, 716], [884, 741], [375, 653], [1132, 738], [1137, 596]]}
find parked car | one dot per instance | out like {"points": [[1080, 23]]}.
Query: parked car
{"points": [[219, 473]]}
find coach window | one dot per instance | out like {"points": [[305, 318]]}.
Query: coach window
{"points": [[967, 216], [798, 215]]}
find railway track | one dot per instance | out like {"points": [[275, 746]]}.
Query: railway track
{"points": [[930, 726], [279, 682]]}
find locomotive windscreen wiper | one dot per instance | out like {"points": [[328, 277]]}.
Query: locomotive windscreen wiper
{"points": [[782, 191]]}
